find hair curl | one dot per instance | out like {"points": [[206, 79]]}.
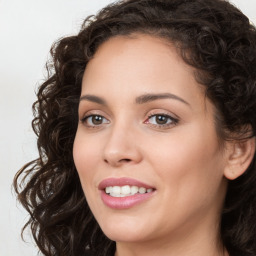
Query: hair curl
{"points": [[212, 36]]}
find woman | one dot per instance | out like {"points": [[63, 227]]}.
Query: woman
{"points": [[146, 134]]}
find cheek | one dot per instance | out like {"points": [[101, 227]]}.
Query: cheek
{"points": [[85, 157], [189, 162]]}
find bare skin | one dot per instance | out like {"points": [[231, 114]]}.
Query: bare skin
{"points": [[167, 140]]}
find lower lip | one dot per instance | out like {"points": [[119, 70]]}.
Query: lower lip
{"points": [[124, 202]]}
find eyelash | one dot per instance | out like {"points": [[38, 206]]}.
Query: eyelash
{"points": [[85, 119], [172, 121]]}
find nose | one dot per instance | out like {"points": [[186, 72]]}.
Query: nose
{"points": [[121, 147]]}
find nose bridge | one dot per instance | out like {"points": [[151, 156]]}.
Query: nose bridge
{"points": [[121, 146]]}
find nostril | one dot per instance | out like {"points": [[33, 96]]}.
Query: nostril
{"points": [[125, 160]]}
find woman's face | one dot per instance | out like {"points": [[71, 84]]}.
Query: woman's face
{"points": [[147, 136]]}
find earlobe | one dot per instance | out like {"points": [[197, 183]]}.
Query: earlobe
{"points": [[239, 157]]}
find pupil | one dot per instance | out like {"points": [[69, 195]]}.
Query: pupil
{"points": [[161, 119], [97, 119]]}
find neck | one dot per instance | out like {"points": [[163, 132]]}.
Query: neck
{"points": [[153, 249]]}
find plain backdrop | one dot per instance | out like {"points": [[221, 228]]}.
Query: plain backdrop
{"points": [[27, 30]]}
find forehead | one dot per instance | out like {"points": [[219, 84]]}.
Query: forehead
{"points": [[140, 64]]}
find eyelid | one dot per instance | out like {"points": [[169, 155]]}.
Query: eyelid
{"points": [[90, 113], [95, 112], [174, 119], [162, 112]]}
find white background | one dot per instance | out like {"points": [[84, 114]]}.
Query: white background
{"points": [[27, 30]]}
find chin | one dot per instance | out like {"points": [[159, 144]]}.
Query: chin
{"points": [[124, 229], [125, 236]]}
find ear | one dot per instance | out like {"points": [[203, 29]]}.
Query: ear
{"points": [[239, 157]]}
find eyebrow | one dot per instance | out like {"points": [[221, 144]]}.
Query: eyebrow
{"points": [[139, 100], [151, 97], [93, 98]]}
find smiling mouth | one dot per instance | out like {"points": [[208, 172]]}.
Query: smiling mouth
{"points": [[126, 190]]}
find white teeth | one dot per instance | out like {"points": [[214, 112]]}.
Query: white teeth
{"points": [[142, 190], [117, 191], [125, 190], [134, 190], [109, 190], [117, 195]]}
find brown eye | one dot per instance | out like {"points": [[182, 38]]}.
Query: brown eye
{"points": [[94, 120], [160, 119]]}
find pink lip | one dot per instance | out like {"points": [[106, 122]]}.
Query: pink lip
{"points": [[123, 202]]}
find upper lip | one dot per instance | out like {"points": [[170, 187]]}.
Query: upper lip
{"points": [[122, 182]]}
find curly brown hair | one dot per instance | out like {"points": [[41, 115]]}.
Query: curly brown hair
{"points": [[212, 36]]}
